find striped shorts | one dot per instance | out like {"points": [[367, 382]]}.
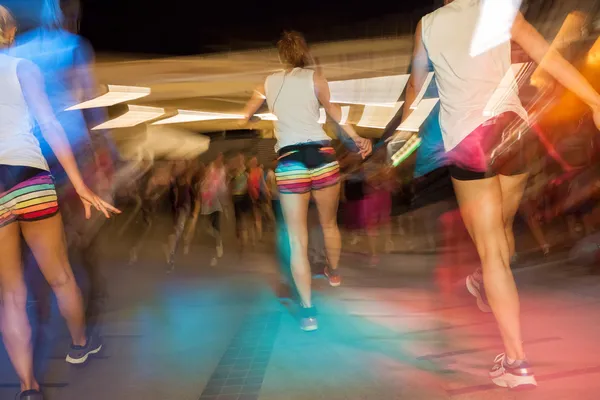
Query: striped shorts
{"points": [[304, 168], [26, 194]]}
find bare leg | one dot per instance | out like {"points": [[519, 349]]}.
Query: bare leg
{"points": [[481, 204], [512, 188], [295, 212], [47, 242], [16, 331], [327, 203]]}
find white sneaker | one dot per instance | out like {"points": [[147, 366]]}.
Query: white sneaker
{"points": [[213, 262], [517, 376]]}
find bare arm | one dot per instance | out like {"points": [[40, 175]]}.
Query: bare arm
{"points": [[32, 84], [335, 112], [418, 75], [549, 59], [255, 103]]}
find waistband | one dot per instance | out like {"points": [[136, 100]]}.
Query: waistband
{"points": [[322, 146]]}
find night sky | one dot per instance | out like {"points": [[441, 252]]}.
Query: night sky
{"points": [[199, 26]]}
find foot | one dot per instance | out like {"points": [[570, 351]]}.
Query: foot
{"points": [[80, 354], [30, 395], [333, 276], [517, 375], [220, 250], [374, 261], [546, 249], [186, 249], [213, 262], [308, 319], [476, 288]]}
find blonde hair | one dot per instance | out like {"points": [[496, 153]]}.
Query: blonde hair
{"points": [[7, 22]]}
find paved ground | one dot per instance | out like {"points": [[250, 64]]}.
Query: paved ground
{"points": [[220, 333]]}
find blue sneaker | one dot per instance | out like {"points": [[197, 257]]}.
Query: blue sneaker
{"points": [[80, 354], [308, 319]]}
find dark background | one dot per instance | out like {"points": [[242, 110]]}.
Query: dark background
{"points": [[199, 26]]}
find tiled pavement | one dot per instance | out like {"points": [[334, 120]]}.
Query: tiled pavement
{"points": [[220, 334]]}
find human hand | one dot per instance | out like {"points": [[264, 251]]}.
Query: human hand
{"points": [[365, 146], [89, 199]]}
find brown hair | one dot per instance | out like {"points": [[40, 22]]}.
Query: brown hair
{"points": [[7, 22], [293, 50]]}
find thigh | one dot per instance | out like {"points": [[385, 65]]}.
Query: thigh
{"points": [[480, 203], [512, 188], [327, 200], [11, 270], [46, 239]]}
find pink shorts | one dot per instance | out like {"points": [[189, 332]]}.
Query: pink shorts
{"points": [[471, 159]]}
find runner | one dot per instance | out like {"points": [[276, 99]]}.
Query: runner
{"points": [[28, 207], [213, 189], [307, 164], [242, 203], [488, 195], [181, 202]]}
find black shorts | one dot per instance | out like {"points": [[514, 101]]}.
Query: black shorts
{"points": [[242, 205], [476, 157]]}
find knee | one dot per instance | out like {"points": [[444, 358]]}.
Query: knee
{"points": [[15, 298], [61, 281], [329, 227]]}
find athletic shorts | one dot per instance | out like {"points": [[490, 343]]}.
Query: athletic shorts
{"points": [[307, 167], [471, 159], [26, 194]]}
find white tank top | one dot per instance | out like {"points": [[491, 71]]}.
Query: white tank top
{"points": [[18, 145], [291, 97], [466, 84]]}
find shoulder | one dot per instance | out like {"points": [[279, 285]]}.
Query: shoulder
{"points": [[27, 70]]}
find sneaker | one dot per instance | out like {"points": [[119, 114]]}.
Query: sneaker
{"points": [[308, 319], [30, 395], [80, 354], [516, 376], [213, 262], [476, 288], [333, 276]]}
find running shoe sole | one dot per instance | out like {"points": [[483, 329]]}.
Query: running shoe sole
{"points": [[516, 383], [476, 293], [78, 361]]}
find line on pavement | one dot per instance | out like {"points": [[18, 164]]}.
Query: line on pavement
{"points": [[241, 370], [480, 349], [540, 378]]}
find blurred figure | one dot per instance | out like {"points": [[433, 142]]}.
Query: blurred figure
{"points": [[377, 204], [64, 60], [214, 187], [181, 206], [153, 187], [29, 207], [255, 190], [242, 202], [488, 191], [307, 164], [198, 175]]}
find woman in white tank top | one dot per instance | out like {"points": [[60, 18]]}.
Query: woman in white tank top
{"points": [[488, 196], [306, 164], [28, 207]]}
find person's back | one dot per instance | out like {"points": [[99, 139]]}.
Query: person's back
{"points": [[466, 83], [291, 97], [18, 145]]}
